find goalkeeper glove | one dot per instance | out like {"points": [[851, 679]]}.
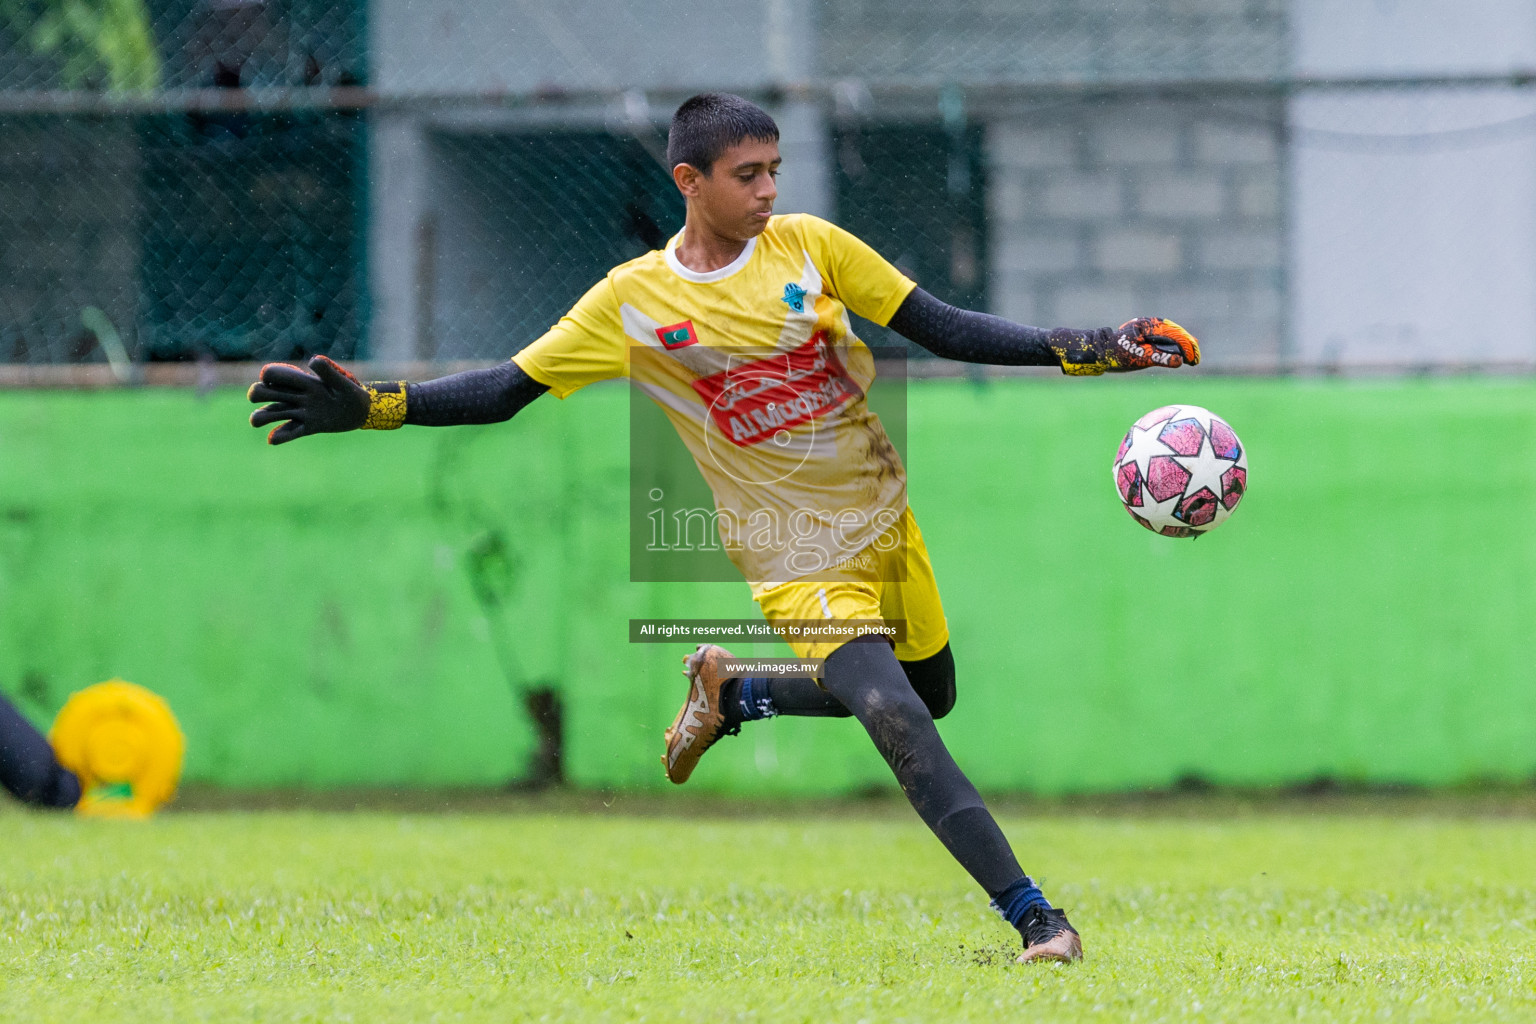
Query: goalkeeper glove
{"points": [[1135, 345], [323, 399]]}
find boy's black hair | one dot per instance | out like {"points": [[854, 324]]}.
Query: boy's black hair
{"points": [[708, 124]]}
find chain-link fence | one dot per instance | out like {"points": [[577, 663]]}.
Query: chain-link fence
{"points": [[146, 46], [1048, 42], [153, 207], [190, 234], [255, 179], [525, 222]]}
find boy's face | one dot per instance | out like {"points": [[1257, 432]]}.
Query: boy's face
{"points": [[736, 198]]}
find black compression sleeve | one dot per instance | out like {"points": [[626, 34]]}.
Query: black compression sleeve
{"points": [[868, 681], [474, 396], [934, 680], [971, 337]]}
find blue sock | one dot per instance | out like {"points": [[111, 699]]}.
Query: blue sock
{"points": [[1016, 901], [754, 700]]}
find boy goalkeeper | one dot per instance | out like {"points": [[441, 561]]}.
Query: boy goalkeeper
{"points": [[739, 330]]}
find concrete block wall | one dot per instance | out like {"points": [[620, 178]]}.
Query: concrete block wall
{"points": [[1100, 212]]}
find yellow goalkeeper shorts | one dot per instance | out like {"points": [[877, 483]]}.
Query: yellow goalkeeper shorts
{"points": [[869, 586]]}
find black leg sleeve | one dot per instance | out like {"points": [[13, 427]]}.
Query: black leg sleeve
{"points": [[869, 681], [803, 696], [27, 765], [934, 680], [932, 677]]}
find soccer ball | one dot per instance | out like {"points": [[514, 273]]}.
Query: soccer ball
{"points": [[1181, 471]]}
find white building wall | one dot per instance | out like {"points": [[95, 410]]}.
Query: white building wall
{"points": [[1413, 209], [1412, 37]]}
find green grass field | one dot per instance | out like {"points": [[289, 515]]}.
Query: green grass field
{"points": [[841, 914]]}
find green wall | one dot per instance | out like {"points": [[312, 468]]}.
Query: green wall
{"points": [[311, 612]]}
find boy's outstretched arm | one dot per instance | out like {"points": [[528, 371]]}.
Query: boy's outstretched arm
{"points": [[972, 337], [326, 398]]}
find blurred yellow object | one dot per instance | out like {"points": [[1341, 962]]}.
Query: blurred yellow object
{"points": [[124, 744]]}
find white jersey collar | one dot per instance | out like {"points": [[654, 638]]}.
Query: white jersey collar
{"points": [[708, 277]]}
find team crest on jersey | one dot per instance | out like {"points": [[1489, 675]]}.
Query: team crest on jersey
{"points": [[794, 297], [754, 400], [677, 335]]}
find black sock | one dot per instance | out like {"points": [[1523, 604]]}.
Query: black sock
{"points": [[757, 697], [730, 702]]}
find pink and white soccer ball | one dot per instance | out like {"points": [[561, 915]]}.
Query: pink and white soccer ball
{"points": [[1181, 471]]}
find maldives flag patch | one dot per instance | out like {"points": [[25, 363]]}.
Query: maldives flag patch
{"points": [[678, 335]]}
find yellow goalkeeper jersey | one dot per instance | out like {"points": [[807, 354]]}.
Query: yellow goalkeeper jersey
{"points": [[758, 369]]}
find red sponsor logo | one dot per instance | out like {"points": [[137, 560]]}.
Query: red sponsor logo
{"points": [[752, 402], [677, 335]]}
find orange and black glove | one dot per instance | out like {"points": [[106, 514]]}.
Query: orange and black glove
{"points": [[323, 399], [1136, 344]]}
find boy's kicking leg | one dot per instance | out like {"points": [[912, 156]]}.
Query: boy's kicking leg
{"points": [[864, 679], [745, 700], [717, 705], [868, 679]]}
